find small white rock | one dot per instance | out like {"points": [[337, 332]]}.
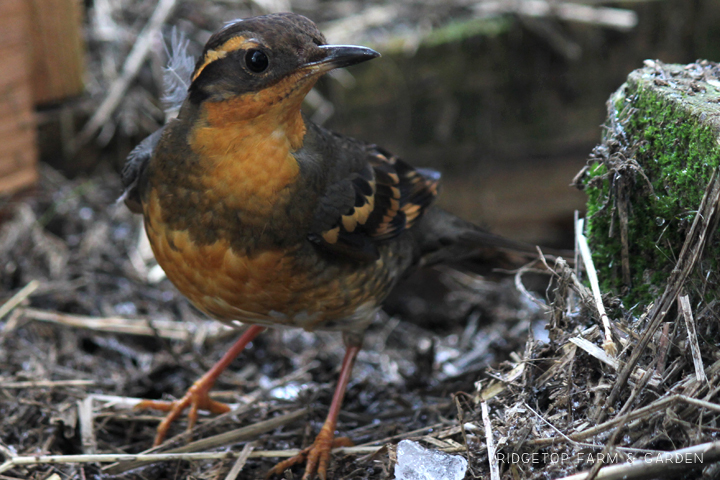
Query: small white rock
{"points": [[417, 463]]}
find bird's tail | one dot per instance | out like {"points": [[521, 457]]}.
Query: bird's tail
{"points": [[443, 237]]}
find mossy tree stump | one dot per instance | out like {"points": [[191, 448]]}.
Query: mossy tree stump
{"points": [[646, 179]]}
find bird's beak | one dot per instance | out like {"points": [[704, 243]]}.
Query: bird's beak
{"points": [[338, 56]]}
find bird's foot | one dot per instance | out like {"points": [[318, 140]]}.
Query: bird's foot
{"points": [[197, 397], [316, 457]]}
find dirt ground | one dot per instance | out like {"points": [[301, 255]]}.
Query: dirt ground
{"points": [[71, 366], [465, 364]]}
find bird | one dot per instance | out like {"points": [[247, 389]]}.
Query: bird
{"points": [[261, 216]]}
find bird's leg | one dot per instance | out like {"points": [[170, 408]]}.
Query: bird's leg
{"points": [[198, 396], [317, 455]]}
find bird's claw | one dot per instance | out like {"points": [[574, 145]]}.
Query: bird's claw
{"points": [[316, 457], [196, 398]]}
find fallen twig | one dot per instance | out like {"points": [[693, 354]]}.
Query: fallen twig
{"points": [[662, 349], [143, 459], [87, 428], [492, 457], [596, 352], [48, 383], [524, 291], [608, 345], [240, 462], [684, 307], [169, 329], [17, 299]]}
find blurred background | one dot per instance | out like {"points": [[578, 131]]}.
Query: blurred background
{"points": [[505, 97]]}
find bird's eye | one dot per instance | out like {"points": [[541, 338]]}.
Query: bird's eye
{"points": [[256, 61]]}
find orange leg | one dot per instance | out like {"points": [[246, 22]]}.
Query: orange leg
{"points": [[317, 455], [197, 397]]}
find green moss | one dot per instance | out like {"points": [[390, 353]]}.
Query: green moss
{"points": [[677, 151], [453, 32], [459, 30]]}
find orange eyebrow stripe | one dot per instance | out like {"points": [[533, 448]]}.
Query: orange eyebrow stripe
{"points": [[235, 43]]}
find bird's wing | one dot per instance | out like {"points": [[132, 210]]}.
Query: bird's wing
{"points": [[134, 167], [380, 199]]}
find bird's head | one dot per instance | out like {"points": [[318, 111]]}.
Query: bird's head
{"points": [[267, 62]]}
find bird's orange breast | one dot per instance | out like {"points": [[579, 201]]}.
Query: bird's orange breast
{"points": [[247, 166], [275, 287]]}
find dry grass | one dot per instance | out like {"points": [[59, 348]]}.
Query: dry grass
{"points": [[85, 334]]}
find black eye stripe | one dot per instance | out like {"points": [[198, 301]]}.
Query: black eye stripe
{"points": [[256, 60]]}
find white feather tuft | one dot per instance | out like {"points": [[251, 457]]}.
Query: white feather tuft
{"points": [[177, 74]]}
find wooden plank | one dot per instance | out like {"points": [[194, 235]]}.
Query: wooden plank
{"points": [[13, 27], [12, 7], [18, 180], [57, 49], [18, 151], [22, 161], [15, 67], [16, 139], [14, 124], [15, 99]]}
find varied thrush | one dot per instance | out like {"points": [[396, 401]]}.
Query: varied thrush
{"points": [[259, 215]]}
